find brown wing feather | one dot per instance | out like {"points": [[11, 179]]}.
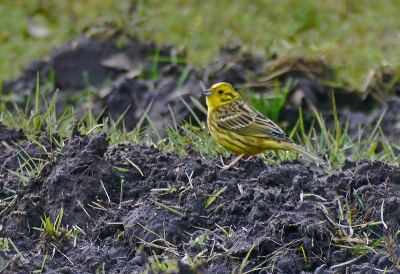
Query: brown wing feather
{"points": [[247, 121]]}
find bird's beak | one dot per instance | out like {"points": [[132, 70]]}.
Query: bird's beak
{"points": [[207, 92]]}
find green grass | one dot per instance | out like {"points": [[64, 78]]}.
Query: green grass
{"points": [[353, 36], [53, 228], [334, 145], [63, 20], [270, 104], [4, 244], [350, 35], [38, 116]]}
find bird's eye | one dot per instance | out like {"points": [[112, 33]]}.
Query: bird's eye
{"points": [[220, 91]]}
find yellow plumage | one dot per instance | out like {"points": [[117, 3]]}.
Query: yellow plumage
{"points": [[241, 128]]}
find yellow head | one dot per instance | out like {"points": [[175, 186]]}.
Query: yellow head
{"points": [[220, 94]]}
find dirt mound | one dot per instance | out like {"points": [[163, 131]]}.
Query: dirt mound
{"points": [[122, 73], [287, 217]]}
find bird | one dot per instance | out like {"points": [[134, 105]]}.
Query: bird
{"points": [[242, 129]]}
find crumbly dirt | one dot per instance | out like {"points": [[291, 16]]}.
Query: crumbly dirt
{"points": [[286, 218], [273, 212]]}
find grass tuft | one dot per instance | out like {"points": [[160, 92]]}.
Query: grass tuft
{"points": [[334, 144]]}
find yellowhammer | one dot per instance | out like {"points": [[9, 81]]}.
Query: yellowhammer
{"points": [[241, 128]]}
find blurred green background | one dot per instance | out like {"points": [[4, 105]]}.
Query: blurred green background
{"points": [[352, 36]]}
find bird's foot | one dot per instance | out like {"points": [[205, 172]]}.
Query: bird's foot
{"points": [[226, 167], [231, 165], [250, 158]]}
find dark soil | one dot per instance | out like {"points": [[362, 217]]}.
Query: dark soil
{"points": [[287, 218], [261, 210]]}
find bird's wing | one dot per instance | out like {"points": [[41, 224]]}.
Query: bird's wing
{"points": [[247, 121]]}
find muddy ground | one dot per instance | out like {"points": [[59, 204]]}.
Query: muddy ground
{"points": [[288, 218]]}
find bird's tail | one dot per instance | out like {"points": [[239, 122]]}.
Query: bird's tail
{"points": [[306, 153]]}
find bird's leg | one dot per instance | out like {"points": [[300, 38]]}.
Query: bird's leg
{"points": [[231, 165], [250, 158]]}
